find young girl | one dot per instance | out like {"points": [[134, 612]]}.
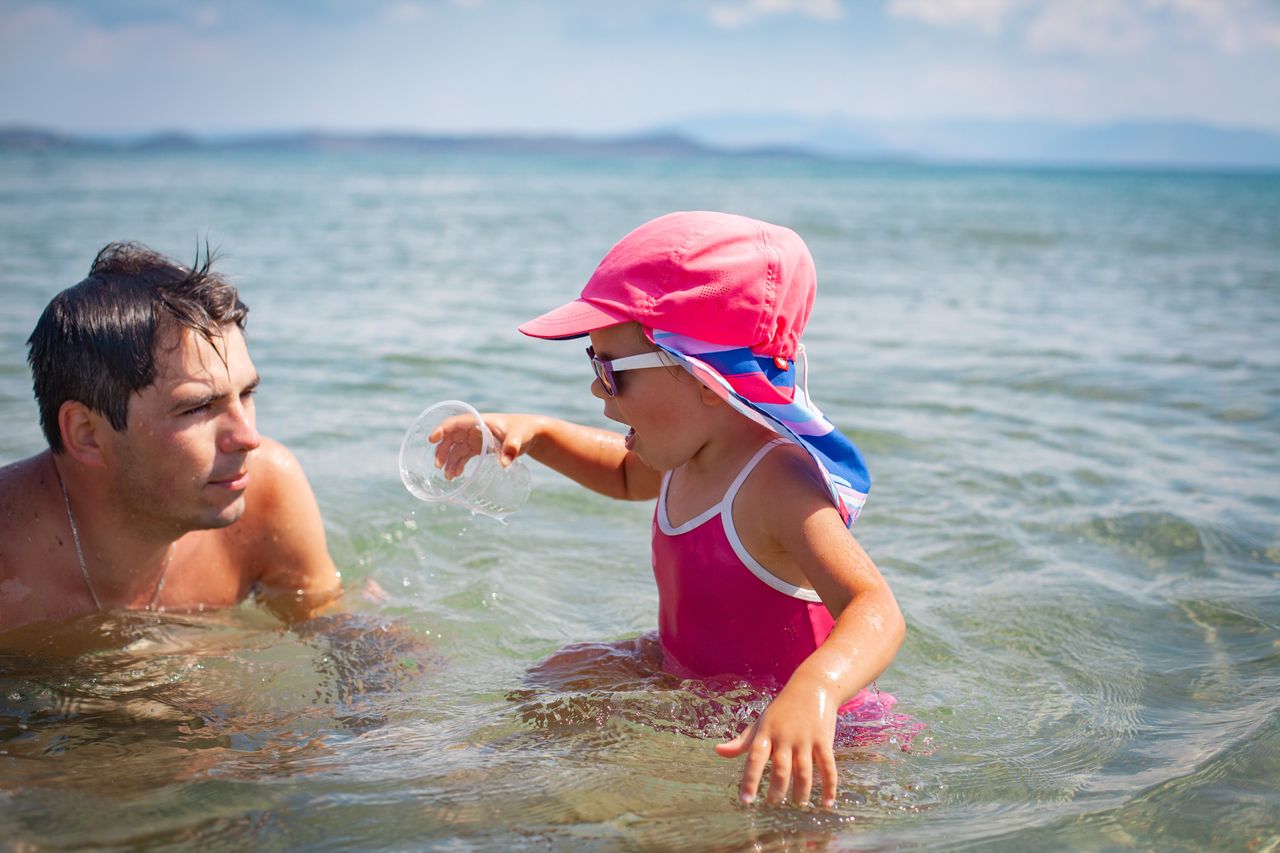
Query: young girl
{"points": [[695, 321]]}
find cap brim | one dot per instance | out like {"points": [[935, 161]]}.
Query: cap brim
{"points": [[572, 320]]}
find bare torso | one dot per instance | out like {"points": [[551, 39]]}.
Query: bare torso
{"points": [[276, 546]]}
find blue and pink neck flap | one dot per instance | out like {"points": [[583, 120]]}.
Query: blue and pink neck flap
{"points": [[777, 399]]}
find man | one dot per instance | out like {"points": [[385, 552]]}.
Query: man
{"points": [[157, 491]]}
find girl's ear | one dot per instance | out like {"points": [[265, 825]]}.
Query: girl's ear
{"points": [[81, 429], [709, 397]]}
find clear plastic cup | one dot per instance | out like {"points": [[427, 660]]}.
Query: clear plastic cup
{"points": [[484, 486]]}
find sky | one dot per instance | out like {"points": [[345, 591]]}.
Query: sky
{"points": [[599, 68]]}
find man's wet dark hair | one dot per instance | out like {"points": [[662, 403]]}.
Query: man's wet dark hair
{"points": [[96, 342]]}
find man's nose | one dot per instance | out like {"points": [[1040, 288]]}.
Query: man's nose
{"points": [[241, 432]]}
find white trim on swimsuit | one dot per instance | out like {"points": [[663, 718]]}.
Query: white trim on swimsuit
{"points": [[724, 508]]}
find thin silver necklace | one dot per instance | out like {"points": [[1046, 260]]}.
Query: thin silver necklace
{"points": [[84, 571]]}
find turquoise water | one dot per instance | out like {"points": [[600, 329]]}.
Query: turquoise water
{"points": [[1067, 386]]}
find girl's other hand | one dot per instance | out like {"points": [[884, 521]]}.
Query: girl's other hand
{"points": [[794, 734]]}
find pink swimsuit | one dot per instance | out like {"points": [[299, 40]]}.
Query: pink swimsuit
{"points": [[720, 611]]}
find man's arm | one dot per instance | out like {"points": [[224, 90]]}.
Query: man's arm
{"points": [[283, 537]]}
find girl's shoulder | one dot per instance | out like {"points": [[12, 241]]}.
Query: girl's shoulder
{"points": [[785, 507], [786, 476]]}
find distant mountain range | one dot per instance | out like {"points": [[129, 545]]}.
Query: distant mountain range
{"points": [[1121, 144], [1133, 143], [39, 139]]}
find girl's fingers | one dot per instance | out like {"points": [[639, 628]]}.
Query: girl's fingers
{"points": [[757, 757], [737, 746], [456, 441], [459, 453], [826, 761], [780, 778], [802, 778]]}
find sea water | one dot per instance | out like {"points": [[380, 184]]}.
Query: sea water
{"points": [[1067, 387]]}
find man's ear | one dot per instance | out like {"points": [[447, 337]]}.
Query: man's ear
{"points": [[82, 433]]}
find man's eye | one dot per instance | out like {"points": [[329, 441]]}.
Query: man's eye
{"points": [[196, 410]]}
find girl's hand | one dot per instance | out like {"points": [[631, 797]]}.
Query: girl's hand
{"points": [[795, 733], [458, 439]]}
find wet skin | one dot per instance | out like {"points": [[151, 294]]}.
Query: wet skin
{"points": [[188, 490], [783, 511]]}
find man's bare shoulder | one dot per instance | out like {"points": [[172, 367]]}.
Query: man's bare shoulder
{"points": [[20, 477], [280, 538], [34, 542], [24, 504], [279, 504], [276, 477]]}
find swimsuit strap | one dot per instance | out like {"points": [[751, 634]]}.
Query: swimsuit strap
{"points": [[739, 547], [724, 505]]}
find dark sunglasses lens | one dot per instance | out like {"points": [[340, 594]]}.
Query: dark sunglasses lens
{"points": [[603, 373], [606, 378]]}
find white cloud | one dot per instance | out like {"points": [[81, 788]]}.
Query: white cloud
{"points": [[733, 16], [207, 16], [1233, 25], [1106, 27], [1090, 27], [50, 37], [1116, 27], [537, 66], [18, 25], [985, 16], [406, 12]]}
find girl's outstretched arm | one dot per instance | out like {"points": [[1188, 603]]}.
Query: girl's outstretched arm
{"points": [[594, 458], [796, 732]]}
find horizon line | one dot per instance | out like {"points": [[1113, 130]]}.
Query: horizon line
{"points": [[660, 141]]}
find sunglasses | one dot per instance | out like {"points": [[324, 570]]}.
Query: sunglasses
{"points": [[605, 370]]}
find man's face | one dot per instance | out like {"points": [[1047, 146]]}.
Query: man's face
{"points": [[183, 463]]}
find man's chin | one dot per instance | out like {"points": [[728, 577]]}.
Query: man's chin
{"points": [[226, 516]]}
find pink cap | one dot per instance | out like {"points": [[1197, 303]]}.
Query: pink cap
{"points": [[718, 277]]}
